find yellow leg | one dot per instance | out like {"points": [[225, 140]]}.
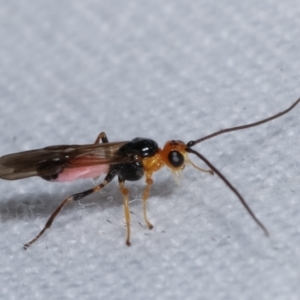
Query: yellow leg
{"points": [[149, 181], [125, 193]]}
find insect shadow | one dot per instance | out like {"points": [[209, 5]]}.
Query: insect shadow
{"points": [[33, 205]]}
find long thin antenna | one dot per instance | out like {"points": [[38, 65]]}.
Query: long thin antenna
{"points": [[193, 143], [251, 213]]}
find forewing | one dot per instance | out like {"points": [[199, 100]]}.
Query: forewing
{"points": [[94, 154], [46, 161]]}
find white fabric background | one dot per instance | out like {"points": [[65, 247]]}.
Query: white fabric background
{"points": [[163, 70]]}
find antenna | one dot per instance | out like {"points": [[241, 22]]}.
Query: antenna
{"points": [[193, 143]]}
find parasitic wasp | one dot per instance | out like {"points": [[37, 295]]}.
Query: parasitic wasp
{"points": [[128, 161]]}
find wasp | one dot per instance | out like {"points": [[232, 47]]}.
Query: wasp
{"points": [[128, 161]]}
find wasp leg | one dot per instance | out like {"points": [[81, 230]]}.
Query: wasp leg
{"points": [[149, 182], [125, 193], [67, 200], [102, 136]]}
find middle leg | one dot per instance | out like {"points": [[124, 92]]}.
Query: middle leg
{"points": [[149, 182], [125, 193]]}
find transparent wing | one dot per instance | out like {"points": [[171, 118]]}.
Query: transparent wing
{"points": [[49, 160]]}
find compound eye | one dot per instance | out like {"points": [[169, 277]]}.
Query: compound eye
{"points": [[176, 159]]}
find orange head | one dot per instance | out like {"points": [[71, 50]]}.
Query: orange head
{"points": [[174, 155]]}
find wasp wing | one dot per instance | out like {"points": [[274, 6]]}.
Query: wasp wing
{"points": [[53, 159]]}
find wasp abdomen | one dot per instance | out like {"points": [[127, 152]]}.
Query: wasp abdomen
{"points": [[49, 171]]}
